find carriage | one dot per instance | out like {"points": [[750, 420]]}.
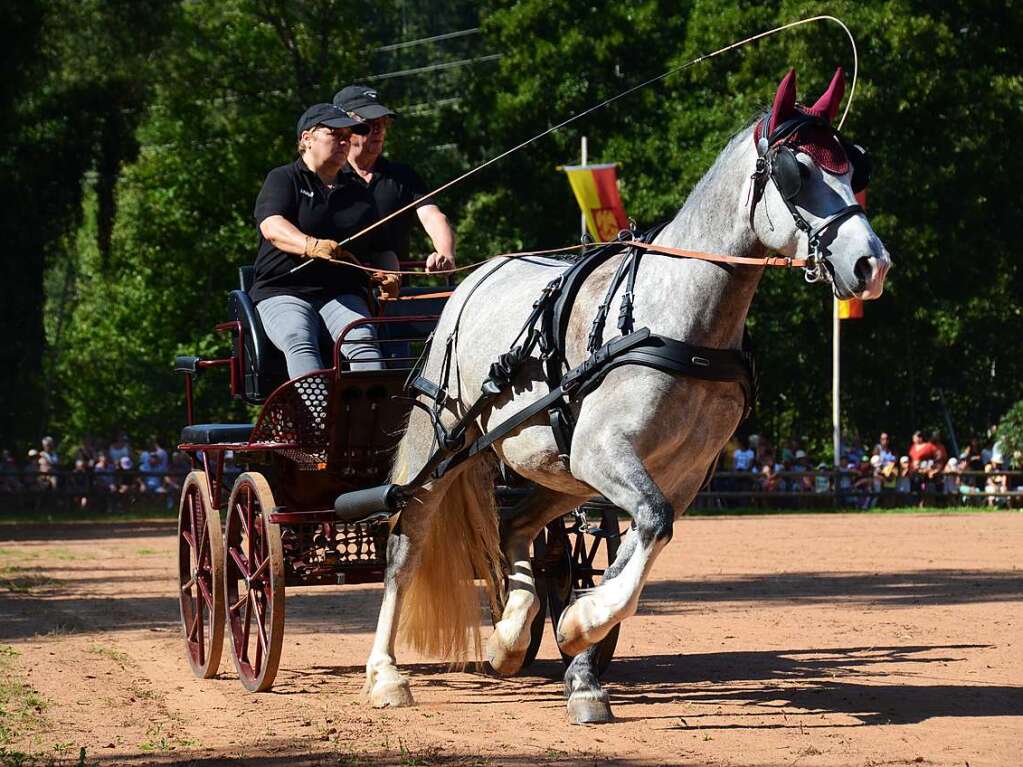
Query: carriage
{"points": [[243, 543]]}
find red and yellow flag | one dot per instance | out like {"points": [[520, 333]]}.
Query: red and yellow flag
{"points": [[596, 190]]}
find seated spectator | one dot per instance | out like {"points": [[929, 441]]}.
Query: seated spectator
{"points": [[883, 448], [904, 484], [821, 481], [46, 478], [950, 477], [920, 450], [127, 480], [78, 483], [153, 470], [119, 448], [742, 459], [49, 452], [103, 474]]}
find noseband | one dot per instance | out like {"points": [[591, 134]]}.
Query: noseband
{"points": [[777, 161]]}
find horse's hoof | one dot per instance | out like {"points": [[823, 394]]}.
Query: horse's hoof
{"points": [[392, 694], [503, 662], [569, 635], [587, 709]]}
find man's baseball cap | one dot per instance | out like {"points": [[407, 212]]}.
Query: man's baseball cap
{"points": [[331, 116], [363, 101]]}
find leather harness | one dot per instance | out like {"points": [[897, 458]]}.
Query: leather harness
{"points": [[545, 330]]}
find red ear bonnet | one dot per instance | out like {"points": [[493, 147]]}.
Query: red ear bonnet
{"points": [[815, 141], [784, 105], [827, 105]]}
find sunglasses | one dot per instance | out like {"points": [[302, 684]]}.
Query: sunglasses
{"points": [[341, 134]]}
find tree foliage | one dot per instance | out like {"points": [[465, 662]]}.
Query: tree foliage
{"points": [[141, 132]]}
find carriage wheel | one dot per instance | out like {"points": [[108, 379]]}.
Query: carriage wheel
{"points": [[254, 582], [201, 576], [581, 554], [537, 557]]}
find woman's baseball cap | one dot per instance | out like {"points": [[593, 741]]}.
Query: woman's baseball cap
{"points": [[331, 116]]}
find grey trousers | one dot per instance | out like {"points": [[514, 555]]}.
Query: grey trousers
{"points": [[293, 325]]}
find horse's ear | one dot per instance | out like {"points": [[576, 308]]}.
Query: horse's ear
{"points": [[827, 105], [784, 102]]}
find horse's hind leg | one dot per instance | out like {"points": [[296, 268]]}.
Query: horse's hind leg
{"points": [[507, 646], [385, 685]]}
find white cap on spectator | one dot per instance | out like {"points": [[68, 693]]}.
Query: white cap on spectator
{"points": [[904, 460], [800, 454], [875, 461]]}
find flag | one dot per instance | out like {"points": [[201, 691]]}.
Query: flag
{"points": [[851, 309], [596, 190]]}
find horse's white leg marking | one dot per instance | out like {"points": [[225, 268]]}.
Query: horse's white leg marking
{"points": [[616, 471], [385, 685], [509, 643]]}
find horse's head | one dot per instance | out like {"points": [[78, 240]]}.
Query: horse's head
{"points": [[803, 199]]}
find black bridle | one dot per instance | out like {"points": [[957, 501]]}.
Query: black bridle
{"points": [[777, 161]]}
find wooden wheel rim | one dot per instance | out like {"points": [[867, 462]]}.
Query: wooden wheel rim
{"points": [[200, 576], [254, 582]]}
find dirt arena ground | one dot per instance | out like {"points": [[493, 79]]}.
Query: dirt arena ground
{"points": [[788, 640]]}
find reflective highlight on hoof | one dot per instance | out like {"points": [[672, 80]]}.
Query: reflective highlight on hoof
{"points": [[585, 708], [501, 660], [392, 694]]}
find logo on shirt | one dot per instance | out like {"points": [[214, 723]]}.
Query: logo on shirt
{"points": [[370, 94], [306, 192]]}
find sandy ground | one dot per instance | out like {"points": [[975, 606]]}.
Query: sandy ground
{"points": [[799, 640]]}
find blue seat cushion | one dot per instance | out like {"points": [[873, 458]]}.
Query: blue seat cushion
{"points": [[215, 433]]}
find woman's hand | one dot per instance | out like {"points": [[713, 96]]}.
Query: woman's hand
{"points": [[324, 249], [439, 262]]}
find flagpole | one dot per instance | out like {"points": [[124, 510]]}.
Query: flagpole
{"points": [[836, 427], [582, 216]]}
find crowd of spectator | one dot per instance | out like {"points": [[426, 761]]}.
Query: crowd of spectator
{"points": [[925, 473], [97, 475]]}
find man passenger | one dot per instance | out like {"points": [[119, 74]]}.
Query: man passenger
{"points": [[388, 186]]}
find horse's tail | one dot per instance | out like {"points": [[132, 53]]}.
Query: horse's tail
{"points": [[440, 611]]}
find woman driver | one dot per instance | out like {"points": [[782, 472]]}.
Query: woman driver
{"points": [[298, 213]]}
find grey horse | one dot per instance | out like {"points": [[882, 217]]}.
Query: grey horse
{"points": [[644, 439]]}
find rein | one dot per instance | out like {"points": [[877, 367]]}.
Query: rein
{"points": [[606, 102], [664, 250]]}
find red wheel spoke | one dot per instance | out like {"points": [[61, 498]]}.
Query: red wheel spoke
{"points": [[186, 587], [200, 625], [258, 572], [238, 511], [189, 539], [238, 605], [193, 630], [200, 554], [243, 566], [205, 591], [248, 623]]}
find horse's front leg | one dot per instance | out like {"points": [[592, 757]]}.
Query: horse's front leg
{"points": [[507, 646], [617, 472], [588, 702]]}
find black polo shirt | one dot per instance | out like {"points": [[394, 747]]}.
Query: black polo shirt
{"points": [[393, 186], [299, 195]]}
